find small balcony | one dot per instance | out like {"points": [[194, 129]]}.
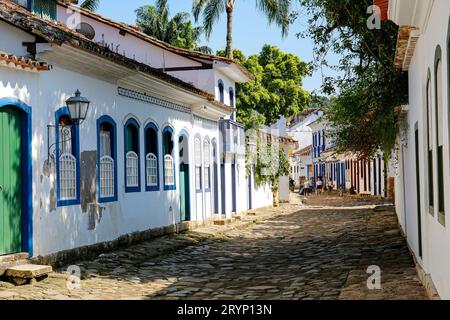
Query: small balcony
{"points": [[232, 137]]}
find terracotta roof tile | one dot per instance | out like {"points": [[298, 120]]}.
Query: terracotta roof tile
{"points": [[23, 63]]}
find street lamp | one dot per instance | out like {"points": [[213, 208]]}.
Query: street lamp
{"points": [[78, 108]]}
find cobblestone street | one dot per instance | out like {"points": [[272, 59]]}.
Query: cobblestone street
{"points": [[317, 250]]}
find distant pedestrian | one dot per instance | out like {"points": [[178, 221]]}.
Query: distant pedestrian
{"points": [[306, 188], [319, 185]]}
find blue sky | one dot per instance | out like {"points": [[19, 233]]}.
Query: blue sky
{"points": [[251, 30]]}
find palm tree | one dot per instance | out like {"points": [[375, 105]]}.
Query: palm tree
{"points": [[179, 31], [277, 11], [91, 5]]}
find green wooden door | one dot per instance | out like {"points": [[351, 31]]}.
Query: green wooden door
{"points": [[10, 182], [182, 193]]}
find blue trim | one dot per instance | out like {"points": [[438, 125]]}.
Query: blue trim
{"points": [[207, 139], [75, 136], [153, 126], [231, 94], [187, 178], [110, 121], [134, 123], [174, 186], [221, 87], [26, 171], [198, 189]]}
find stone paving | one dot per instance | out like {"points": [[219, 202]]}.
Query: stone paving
{"points": [[318, 249]]}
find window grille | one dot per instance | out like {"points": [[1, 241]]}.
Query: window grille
{"points": [[67, 177], [132, 169], [169, 174], [152, 170]]}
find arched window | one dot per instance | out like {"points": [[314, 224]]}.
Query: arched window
{"points": [[68, 159], [151, 158], [207, 164], [132, 168], [198, 164], [169, 163], [221, 91], [430, 145], [106, 158], [439, 127], [231, 97]]}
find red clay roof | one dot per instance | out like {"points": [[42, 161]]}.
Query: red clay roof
{"points": [[23, 63], [135, 31], [60, 34]]}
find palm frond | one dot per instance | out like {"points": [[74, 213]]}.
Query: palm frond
{"points": [[91, 5], [197, 8], [211, 14], [277, 11]]}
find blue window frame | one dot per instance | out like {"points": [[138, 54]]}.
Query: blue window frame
{"points": [[72, 142], [207, 164], [132, 168], [169, 159], [198, 164], [106, 156], [151, 158], [221, 91], [231, 92]]}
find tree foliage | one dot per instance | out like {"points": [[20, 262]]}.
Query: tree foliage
{"points": [[369, 87], [276, 11], [276, 88], [178, 30], [271, 164]]}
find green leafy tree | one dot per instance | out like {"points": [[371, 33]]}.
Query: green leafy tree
{"points": [[178, 31], [277, 11], [369, 88], [276, 88]]}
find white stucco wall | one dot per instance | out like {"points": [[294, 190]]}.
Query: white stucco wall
{"points": [[436, 238], [11, 39], [67, 227]]}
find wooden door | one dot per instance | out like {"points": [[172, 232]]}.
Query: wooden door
{"points": [[10, 182]]}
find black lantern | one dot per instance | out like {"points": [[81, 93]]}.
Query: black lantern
{"points": [[78, 108]]}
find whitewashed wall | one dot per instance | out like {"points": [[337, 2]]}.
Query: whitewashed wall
{"points": [[67, 227], [436, 238]]}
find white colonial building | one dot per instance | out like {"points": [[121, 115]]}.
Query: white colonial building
{"points": [[158, 147], [423, 163]]}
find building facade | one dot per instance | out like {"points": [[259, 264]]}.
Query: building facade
{"points": [[422, 172], [158, 147]]}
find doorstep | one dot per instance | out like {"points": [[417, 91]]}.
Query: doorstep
{"points": [[27, 273]]}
